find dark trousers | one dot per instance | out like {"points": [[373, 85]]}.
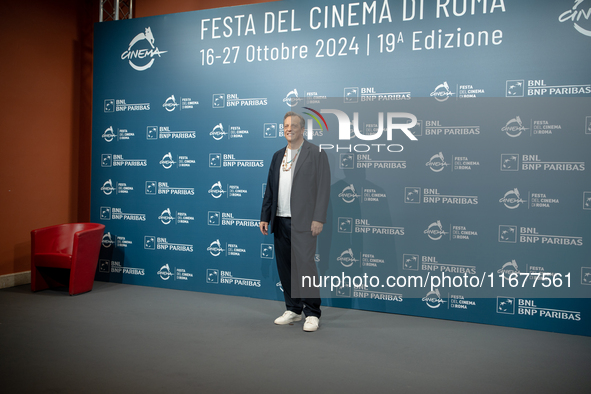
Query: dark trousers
{"points": [[294, 253]]}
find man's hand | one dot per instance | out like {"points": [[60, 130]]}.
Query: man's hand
{"points": [[264, 228], [316, 228]]}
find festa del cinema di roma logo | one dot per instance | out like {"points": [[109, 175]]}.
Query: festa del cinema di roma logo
{"points": [[579, 16], [345, 123], [138, 58]]}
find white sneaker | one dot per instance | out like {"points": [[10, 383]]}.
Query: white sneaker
{"points": [[311, 323], [288, 317]]}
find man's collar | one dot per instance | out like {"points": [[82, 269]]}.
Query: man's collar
{"points": [[297, 147]]}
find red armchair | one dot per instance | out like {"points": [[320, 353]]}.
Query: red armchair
{"points": [[57, 249]]}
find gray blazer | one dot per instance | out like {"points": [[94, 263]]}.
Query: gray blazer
{"points": [[310, 190]]}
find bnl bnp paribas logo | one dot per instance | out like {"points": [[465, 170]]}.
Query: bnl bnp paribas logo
{"points": [[142, 56], [402, 121], [579, 15]]}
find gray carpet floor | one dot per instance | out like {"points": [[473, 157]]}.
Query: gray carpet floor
{"points": [[122, 338]]}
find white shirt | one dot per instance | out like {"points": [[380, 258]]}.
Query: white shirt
{"points": [[285, 181]]}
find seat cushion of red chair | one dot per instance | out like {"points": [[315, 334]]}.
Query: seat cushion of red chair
{"points": [[55, 260]]}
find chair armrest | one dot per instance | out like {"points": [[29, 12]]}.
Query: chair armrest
{"points": [[88, 241], [85, 254]]}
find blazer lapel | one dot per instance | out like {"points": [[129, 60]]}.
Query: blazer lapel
{"points": [[278, 167], [303, 156]]}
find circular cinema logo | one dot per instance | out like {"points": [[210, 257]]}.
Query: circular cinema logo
{"points": [[508, 269], [167, 161], [215, 248], [107, 240], [579, 15], [512, 199], [107, 187], [433, 299], [165, 272], [514, 127], [348, 194], [216, 190], [347, 258], [170, 104], [139, 55], [442, 92], [292, 98], [166, 217], [109, 135], [218, 132], [437, 162], [435, 231]]}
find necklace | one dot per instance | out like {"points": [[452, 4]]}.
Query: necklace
{"points": [[285, 164]]}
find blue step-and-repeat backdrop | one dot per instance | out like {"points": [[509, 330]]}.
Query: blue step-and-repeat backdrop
{"points": [[458, 134]]}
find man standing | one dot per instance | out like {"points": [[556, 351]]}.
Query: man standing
{"points": [[294, 210]]}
